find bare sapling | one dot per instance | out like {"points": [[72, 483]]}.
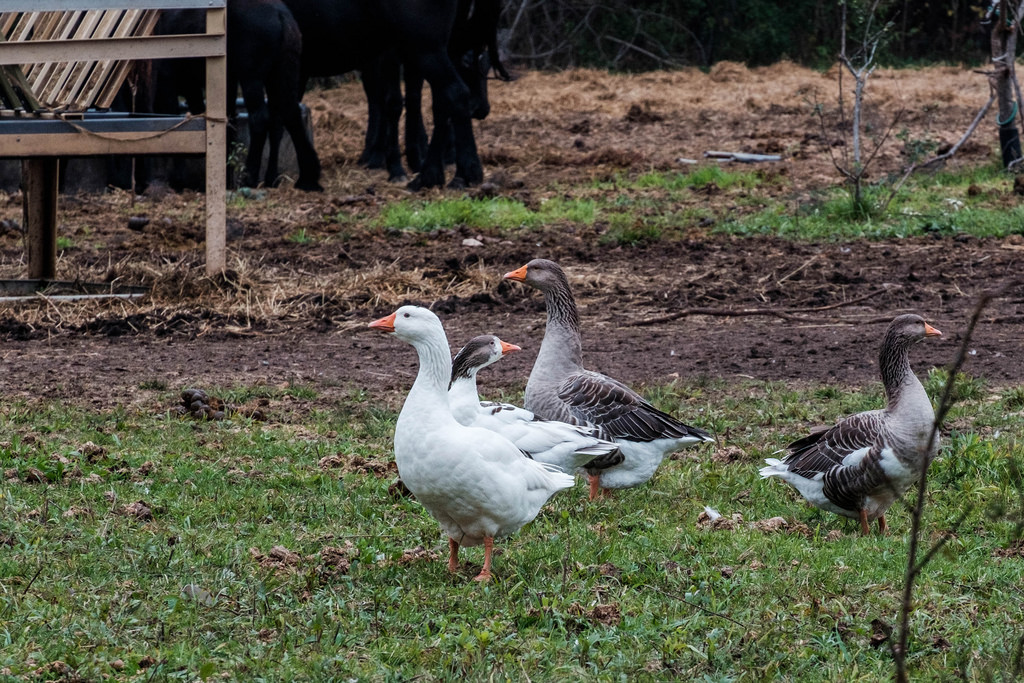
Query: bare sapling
{"points": [[860, 64]]}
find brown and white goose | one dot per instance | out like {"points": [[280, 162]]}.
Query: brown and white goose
{"points": [[560, 388], [568, 447], [859, 467]]}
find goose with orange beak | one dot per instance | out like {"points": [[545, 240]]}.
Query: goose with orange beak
{"points": [[560, 388], [476, 483], [569, 447], [863, 464]]}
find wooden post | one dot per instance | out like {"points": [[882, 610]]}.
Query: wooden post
{"points": [[39, 204], [216, 149]]}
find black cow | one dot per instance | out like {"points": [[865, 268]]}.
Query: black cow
{"points": [[473, 50], [373, 36], [264, 52]]}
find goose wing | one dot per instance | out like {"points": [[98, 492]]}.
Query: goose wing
{"points": [[620, 412], [825, 449]]}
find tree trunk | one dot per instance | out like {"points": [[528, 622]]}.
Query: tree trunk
{"points": [[1004, 51]]}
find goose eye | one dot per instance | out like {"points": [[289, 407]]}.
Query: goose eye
{"points": [[405, 315]]}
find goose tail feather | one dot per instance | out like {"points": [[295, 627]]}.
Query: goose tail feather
{"points": [[775, 468]]}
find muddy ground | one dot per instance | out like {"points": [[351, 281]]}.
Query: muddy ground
{"points": [[307, 272]]}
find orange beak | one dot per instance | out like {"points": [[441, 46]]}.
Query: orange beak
{"points": [[519, 275], [930, 331], [508, 348], [384, 324]]}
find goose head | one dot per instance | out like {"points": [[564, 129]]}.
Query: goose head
{"points": [[411, 324], [906, 330], [540, 273], [478, 353]]}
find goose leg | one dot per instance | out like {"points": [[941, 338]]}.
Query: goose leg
{"points": [[864, 527], [882, 526], [595, 486], [485, 573], [453, 556]]}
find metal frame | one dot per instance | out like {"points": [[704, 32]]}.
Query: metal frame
{"points": [[39, 142]]}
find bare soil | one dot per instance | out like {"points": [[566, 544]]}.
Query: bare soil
{"points": [[304, 282]]}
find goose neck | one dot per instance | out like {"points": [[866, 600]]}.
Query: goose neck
{"points": [[897, 377], [430, 390]]}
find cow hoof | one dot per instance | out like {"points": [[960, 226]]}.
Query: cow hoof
{"points": [[457, 183], [424, 180], [398, 178], [308, 186]]}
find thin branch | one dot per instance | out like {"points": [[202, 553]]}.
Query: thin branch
{"points": [[914, 568], [784, 313], [646, 53]]}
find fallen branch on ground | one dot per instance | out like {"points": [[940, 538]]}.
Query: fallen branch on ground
{"points": [[784, 313]]}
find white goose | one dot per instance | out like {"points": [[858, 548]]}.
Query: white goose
{"points": [[569, 447], [474, 482], [859, 467], [561, 389]]}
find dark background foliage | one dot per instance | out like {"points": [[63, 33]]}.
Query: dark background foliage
{"points": [[644, 34]]}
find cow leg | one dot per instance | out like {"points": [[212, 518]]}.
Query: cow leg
{"points": [[392, 115], [373, 147], [468, 169], [252, 92], [283, 93], [450, 101], [415, 131]]}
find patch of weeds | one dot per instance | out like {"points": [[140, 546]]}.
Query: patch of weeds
{"points": [[236, 161], [500, 213], [703, 176], [300, 236], [836, 217], [965, 387], [153, 384], [1013, 398], [239, 395], [628, 230], [64, 242], [916, 149]]}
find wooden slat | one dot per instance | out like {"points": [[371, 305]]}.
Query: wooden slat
{"points": [[23, 28], [7, 21], [47, 27], [60, 5], [78, 71], [142, 47], [31, 102], [78, 144], [47, 80], [104, 93], [110, 69]]}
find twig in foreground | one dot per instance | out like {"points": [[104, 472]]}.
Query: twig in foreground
{"points": [[914, 568]]}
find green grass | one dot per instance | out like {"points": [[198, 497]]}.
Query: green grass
{"points": [[498, 213], [970, 202], [660, 206], [300, 236], [625, 589]]}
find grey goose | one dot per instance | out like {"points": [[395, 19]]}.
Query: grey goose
{"points": [[863, 464], [560, 388]]}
